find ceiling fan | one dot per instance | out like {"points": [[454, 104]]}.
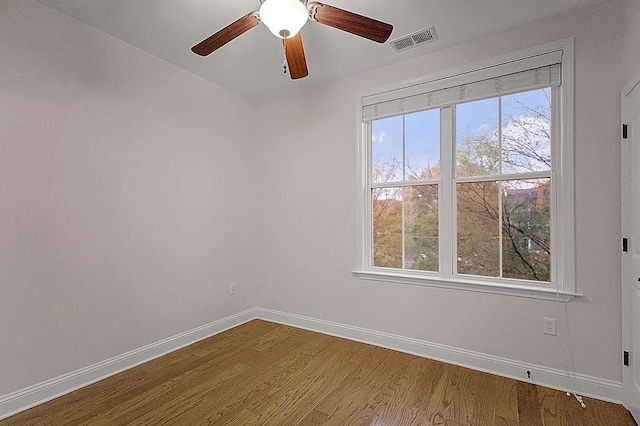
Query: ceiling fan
{"points": [[285, 19]]}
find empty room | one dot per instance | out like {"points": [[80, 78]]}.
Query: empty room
{"points": [[287, 212]]}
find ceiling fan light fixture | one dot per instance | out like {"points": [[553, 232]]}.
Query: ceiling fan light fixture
{"points": [[284, 18]]}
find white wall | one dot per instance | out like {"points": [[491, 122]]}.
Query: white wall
{"points": [[631, 40], [124, 197], [309, 216]]}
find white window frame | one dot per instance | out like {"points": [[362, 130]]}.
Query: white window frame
{"points": [[562, 286]]}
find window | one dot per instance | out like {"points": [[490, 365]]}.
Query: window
{"points": [[462, 174]]}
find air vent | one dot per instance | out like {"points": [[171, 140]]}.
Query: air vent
{"points": [[415, 39]]}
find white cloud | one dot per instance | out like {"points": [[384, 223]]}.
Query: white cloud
{"points": [[379, 138]]}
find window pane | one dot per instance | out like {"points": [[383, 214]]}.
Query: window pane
{"points": [[386, 150], [526, 223], [477, 145], [422, 145], [387, 227], [421, 227], [478, 228], [526, 131]]}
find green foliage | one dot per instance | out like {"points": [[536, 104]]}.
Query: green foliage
{"points": [[387, 232], [421, 228]]}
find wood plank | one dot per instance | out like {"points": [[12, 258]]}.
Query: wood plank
{"points": [[551, 406], [263, 373], [596, 413], [506, 395], [448, 403], [314, 418], [158, 397], [382, 381], [397, 409], [529, 409]]}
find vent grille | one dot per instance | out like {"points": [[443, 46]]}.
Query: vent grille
{"points": [[415, 39]]}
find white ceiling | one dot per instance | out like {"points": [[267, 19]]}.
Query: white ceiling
{"points": [[251, 65]]}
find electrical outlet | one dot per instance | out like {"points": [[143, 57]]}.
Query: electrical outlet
{"points": [[549, 326], [232, 289]]}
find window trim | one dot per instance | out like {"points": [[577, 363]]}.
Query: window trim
{"points": [[563, 286]]}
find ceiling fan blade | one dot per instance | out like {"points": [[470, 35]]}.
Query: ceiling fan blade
{"points": [[226, 34], [294, 52], [350, 22]]}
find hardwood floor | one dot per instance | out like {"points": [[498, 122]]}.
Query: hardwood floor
{"points": [[263, 373]]}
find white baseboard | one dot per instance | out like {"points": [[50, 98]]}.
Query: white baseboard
{"points": [[607, 390], [24, 399]]}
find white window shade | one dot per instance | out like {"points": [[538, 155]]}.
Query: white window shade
{"points": [[525, 74]]}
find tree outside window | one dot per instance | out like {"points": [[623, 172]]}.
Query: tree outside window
{"points": [[502, 183]]}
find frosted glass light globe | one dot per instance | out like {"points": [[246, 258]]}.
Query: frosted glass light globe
{"points": [[284, 18]]}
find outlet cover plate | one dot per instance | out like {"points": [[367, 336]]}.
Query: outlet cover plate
{"points": [[549, 326]]}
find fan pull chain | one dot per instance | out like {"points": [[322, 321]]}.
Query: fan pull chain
{"points": [[284, 49]]}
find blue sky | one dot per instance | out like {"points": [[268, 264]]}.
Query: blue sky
{"points": [[422, 129]]}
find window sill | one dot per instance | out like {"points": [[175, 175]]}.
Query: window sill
{"points": [[468, 285]]}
